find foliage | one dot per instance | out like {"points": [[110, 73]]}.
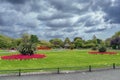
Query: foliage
{"points": [[115, 43], [88, 45], [77, 38], [67, 43], [117, 34], [6, 42], [72, 46], [67, 40], [27, 47], [78, 43], [57, 43], [94, 48], [45, 43], [34, 39], [107, 42], [102, 49]]}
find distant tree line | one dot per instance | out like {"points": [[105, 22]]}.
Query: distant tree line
{"points": [[77, 42]]}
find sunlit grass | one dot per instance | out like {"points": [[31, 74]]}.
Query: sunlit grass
{"points": [[61, 58]]}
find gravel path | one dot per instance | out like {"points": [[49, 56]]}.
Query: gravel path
{"points": [[97, 75]]}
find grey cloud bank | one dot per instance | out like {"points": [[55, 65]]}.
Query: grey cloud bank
{"points": [[59, 18]]}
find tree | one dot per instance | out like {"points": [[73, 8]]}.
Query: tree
{"points": [[45, 43], [77, 38], [5, 42], [89, 44], [115, 43], [107, 42], [78, 43], [56, 42], [67, 40], [67, 43], [72, 46], [117, 34], [34, 39], [95, 40]]}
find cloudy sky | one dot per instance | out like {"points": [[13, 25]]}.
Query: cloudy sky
{"points": [[60, 18]]}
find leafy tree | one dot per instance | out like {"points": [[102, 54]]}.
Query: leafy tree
{"points": [[5, 42], [107, 42], [115, 43], [18, 41], [72, 46], [77, 38], [67, 43], [78, 43], [34, 39], [67, 40], [89, 44], [115, 40], [94, 40], [45, 43], [117, 34], [56, 42]]}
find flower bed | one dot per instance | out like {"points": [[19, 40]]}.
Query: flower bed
{"points": [[43, 48], [102, 53], [22, 57]]}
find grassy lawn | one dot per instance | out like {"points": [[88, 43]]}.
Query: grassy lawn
{"points": [[61, 58]]}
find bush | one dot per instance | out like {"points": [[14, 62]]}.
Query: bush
{"points": [[26, 49], [94, 48], [102, 49]]}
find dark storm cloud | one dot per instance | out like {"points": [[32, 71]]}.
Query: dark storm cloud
{"points": [[68, 30], [110, 7], [5, 29], [5, 20], [70, 6], [49, 36], [57, 15], [16, 1], [58, 23], [71, 17], [92, 30], [1, 21], [113, 14]]}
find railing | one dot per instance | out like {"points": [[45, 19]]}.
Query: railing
{"points": [[90, 68]]}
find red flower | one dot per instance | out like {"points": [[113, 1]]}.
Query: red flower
{"points": [[102, 52], [22, 57]]}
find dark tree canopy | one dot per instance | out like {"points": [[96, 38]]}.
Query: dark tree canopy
{"points": [[34, 39], [77, 38], [115, 43]]}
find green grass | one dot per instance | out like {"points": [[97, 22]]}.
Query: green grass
{"points": [[61, 58]]}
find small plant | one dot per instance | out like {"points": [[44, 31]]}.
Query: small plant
{"points": [[94, 48], [102, 49], [27, 47]]}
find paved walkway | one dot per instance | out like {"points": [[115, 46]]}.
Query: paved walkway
{"points": [[97, 75]]}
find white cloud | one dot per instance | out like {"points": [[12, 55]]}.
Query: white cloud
{"points": [[64, 18]]}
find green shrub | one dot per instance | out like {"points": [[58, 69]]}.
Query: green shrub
{"points": [[26, 49], [94, 48], [102, 49]]}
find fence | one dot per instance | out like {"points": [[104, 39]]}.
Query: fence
{"points": [[90, 68]]}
